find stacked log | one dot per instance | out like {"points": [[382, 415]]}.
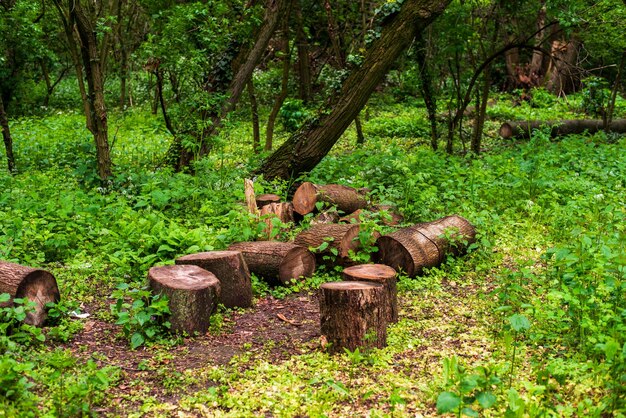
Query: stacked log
{"points": [[380, 274], [231, 270], [277, 262], [265, 199], [282, 211], [38, 286], [346, 199], [424, 245], [339, 237], [391, 217], [352, 315], [193, 295]]}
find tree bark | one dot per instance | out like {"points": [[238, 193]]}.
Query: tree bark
{"points": [[523, 129], [563, 77], [231, 270], [282, 211], [341, 238], [6, 136], [352, 315], [38, 286], [266, 199], [277, 262], [380, 274], [307, 147], [304, 61], [345, 198], [193, 295], [424, 245]]}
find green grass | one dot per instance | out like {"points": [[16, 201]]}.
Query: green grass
{"points": [[539, 302]]}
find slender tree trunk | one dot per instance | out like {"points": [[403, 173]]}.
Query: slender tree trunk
{"points": [[426, 85], [536, 63], [284, 84], [307, 147], [616, 84], [254, 108], [360, 138], [6, 135], [161, 100], [304, 62], [481, 112]]}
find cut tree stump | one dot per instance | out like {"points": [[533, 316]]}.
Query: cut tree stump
{"points": [[282, 211], [523, 129], [381, 274], [231, 270], [193, 295], [266, 199], [277, 262], [346, 199], [340, 237], [38, 286], [353, 315], [424, 245]]}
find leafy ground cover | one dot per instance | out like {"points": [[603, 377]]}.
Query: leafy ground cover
{"points": [[532, 322]]}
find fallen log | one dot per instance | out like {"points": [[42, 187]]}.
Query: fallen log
{"points": [[277, 262], [231, 270], [424, 245], [326, 217], [353, 315], [346, 199], [193, 295], [38, 286], [329, 239], [523, 129], [282, 211], [390, 217], [381, 274], [266, 199]]}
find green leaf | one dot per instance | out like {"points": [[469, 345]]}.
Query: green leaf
{"points": [[469, 412], [486, 399], [447, 402], [136, 340], [519, 322], [4, 297]]}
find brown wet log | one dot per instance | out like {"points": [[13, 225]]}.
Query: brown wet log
{"points": [[390, 218], [282, 211], [325, 217], [193, 295], [353, 315], [266, 199], [277, 262], [523, 129], [38, 286], [424, 245], [231, 270], [340, 237], [381, 274], [346, 199]]}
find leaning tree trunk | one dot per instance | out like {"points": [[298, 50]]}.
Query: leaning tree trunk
{"points": [[523, 130], [6, 135], [307, 147], [38, 286]]}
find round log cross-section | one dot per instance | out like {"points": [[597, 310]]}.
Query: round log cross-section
{"points": [[277, 262], [424, 245], [231, 270], [266, 199], [193, 295], [352, 314], [38, 286], [382, 274]]}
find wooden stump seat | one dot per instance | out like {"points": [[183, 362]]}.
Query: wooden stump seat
{"points": [[381, 274]]}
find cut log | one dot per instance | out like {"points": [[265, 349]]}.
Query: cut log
{"points": [[282, 211], [38, 286], [325, 217], [193, 295], [391, 218], [339, 237], [424, 245], [346, 199], [266, 199], [523, 129], [353, 315], [231, 270], [277, 262], [381, 274], [248, 189]]}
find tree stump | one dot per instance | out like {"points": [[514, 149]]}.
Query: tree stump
{"points": [[266, 199], [347, 199], [277, 262], [231, 270], [282, 211], [341, 238], [352, 314], [424, 245], [381, 274], [38, 286], [193, 295]]}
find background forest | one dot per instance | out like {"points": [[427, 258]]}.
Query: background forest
{"points": [[129, 127]]}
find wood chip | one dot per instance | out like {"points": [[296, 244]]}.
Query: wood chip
{"points": [[289, 321]]}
